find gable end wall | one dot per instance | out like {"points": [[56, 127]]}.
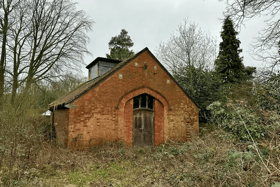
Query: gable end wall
{"points": [[98, 117]]}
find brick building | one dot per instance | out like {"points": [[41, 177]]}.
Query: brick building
{"points": [[136, 101]]}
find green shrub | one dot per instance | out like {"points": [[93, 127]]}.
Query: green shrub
{"points": [[238, 120]]}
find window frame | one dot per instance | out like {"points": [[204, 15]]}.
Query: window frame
{"points": [[140, 98]]}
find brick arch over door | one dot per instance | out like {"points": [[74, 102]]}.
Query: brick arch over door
{"points": [[125, 116]]}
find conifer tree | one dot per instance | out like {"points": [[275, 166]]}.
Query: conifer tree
{"points": [[229, 64], [119, 46]]}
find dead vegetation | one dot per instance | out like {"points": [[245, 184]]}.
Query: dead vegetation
{"points": [[29, 155], [214, 158]]}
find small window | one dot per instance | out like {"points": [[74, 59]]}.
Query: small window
{"points": [[136, 102], [143, 101], [150, 102]]}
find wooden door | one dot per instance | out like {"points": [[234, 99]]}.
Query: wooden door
{"points": [[143, 127]]}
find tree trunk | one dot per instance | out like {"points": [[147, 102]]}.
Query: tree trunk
{"points": [[14, 89], [4, 29], [3, 62], [1, 84], [28, 84]]}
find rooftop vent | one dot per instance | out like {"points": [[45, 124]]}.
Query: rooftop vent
{"points": [[100, 66]]}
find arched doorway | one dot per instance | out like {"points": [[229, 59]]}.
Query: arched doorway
{"points": [[143, 120]]}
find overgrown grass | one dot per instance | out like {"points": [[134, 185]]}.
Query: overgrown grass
{"points": [[214, 158], [28, 157]]}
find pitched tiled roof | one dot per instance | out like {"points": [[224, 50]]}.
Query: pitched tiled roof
{"points": [[83, 88]]}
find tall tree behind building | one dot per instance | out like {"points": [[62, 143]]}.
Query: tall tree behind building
{"points": [[189, 55], [229, 64], [119, 46], [265, 46]]}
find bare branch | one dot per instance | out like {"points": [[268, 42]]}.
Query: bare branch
{"points": [[266, 43], [44, 35]]}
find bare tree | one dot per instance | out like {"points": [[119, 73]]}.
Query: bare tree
{"points": [[266, 46], [49, 36], [58, 37], [189, 49], [67, 83], [190, 46], [19, 34], [190, 54], [6, 21]]}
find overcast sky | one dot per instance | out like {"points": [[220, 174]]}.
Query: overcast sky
{"points": [[150, 22]]}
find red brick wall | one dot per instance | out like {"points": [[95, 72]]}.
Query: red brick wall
{"points": [[159, 115], [103, 113], [128, 121], [61, 125]]}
